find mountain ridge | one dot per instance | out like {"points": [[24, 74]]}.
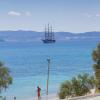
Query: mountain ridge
{"points": [[29, 36]]}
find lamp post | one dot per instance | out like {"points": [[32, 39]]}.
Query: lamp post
{"points": [[48, 72]]}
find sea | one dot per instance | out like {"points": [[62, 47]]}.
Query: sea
{"points": [[28, 65]]}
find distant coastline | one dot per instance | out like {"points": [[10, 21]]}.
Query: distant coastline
{"points": [[33, 36]]}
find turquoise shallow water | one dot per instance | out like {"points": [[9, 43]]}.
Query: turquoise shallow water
{"points": [[28, 64]]}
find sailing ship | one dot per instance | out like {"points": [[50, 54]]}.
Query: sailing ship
{"points": [[49, 35]]}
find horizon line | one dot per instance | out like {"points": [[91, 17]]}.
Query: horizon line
{"points": [[54, 31]]}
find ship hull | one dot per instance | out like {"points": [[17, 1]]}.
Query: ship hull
{"points": [[49, 41]]}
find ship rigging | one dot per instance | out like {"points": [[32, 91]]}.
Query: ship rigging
{"points": [[49, 35]]}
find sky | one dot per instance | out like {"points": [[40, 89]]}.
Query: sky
{"points": [[64, 15]]}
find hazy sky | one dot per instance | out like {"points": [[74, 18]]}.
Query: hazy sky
{"points": [[64, 15]]}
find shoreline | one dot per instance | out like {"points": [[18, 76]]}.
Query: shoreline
{"points": [[56, 97], [46, 97]]}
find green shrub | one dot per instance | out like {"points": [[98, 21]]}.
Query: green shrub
{"points": [[65, 89], [77, 86], [96, 66], [5, 77]]}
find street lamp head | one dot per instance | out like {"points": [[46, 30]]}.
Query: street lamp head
{"points": [[48, 60]]}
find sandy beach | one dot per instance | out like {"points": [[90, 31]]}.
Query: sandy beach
{"points": [[55, 97], [49, 97]]}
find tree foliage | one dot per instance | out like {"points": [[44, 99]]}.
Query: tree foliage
{"points": [[77, 86], [96, 66], [5, 77]]}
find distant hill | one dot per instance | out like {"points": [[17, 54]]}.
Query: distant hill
{"points": [[86, 35], [31, 36]]}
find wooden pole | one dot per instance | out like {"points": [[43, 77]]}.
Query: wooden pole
{"points": [[48, 74]]}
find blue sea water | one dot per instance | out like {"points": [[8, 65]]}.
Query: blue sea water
{"points": [[28, 64]]}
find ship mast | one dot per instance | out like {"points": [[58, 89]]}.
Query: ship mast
{"points": [[49, 35], [46, 33]]}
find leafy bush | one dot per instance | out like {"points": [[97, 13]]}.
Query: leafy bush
{"points": [[66, 89], [77, 86], [5, 78], [96, 66]]}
